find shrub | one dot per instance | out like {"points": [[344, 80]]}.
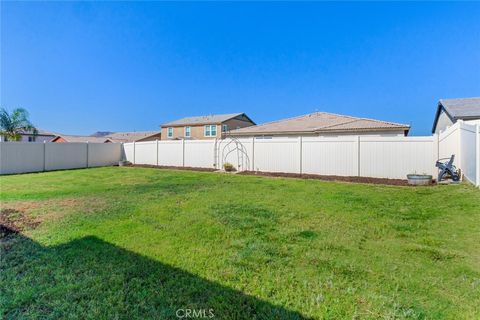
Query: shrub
{"points": [[228, 167]]}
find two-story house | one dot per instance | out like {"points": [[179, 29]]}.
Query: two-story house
{"points": [[205, 127]]}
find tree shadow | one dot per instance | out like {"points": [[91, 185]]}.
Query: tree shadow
{"points": [[90, 278]]}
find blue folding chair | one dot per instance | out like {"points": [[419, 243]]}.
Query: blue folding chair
{"points": [[447, 169]]}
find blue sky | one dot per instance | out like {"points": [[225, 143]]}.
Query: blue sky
{"points": [[83, 67]]}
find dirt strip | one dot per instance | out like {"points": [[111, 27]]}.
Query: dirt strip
{"points": [[173, 167], [393, 182]]}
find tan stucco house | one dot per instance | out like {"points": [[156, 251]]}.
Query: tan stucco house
{"points": [[205, 127], [323, 124], [449, 111]]}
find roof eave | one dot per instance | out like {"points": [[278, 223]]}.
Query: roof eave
{"points": [[406, 129], [205, 123]]}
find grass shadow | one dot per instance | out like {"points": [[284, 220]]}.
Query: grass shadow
{"points": [[90, 278]]}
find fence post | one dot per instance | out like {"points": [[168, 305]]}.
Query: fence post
{"points": [[436, 141], [87, 153], [358, 156], [44, 154], [183, 152], [478, 155], [458, 156], [133, 152], [156, 141], [300, 149], [253, 153]]}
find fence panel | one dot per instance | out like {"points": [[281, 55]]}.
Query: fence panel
{"points": [[449, 143], [468, 156], [277, 155], [199, 153], [20, 157], [65, 156], [170, 153], [127, 153], [104, 154], [394, 158], [145, 152], [330, 156]]}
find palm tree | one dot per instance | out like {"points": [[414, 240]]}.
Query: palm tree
{"points": [[12, 125]]}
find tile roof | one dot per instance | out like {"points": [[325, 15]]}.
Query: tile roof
{"points": [[130, 136], [71, 138], [320, 122], [463, 108], [199, 120]]}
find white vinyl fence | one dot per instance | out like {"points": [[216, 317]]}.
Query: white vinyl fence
{"points": [[470, 152], [365, 156], [21, 157]]}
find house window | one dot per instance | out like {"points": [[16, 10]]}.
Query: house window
{"points": [[187, 132], [170, 132], [210, 130], [31, 139], [224, 127]]}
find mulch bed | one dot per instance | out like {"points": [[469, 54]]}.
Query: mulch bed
{"points": [[393, 182], [173, 167]]}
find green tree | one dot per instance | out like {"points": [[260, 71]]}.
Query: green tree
{"points": [[13, 124]]}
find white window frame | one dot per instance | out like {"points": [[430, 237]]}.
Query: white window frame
{"points": [[169, 132], [188, 130], [208, 132]]}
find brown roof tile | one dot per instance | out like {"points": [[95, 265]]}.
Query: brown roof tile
{"points": [[320, 122]]}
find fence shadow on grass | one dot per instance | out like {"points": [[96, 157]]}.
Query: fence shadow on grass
{"points": [[90, 278]]}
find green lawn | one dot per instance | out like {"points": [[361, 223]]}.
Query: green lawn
{"points": [[124, 243]]}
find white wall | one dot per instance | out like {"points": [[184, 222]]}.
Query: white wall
{"points": [[143, 152], [104, 154], [277, 155], [382, 157], [367, 156], [21, 157], [170, 153], [18, 157], [199, 153], [449, 142], [330, 156], [468, 149], [397, 157], [462, 140]]}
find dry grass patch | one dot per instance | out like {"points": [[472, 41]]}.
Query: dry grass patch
{"points": [[29, 214]]}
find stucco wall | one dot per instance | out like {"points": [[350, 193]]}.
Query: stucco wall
{"points": [[196, 133], [443, 122]]}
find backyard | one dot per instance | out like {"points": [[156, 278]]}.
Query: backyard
{"points": [[123, 243]]}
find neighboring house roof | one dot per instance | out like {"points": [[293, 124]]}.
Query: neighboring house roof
{"points": [[458, 109], [131, 136], [70, 138], [101, 133], [319, 122], [40, 132], [200, 120]]}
